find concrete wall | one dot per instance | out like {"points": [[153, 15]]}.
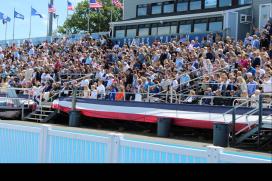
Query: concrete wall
{"points": [[256, 6], [130, 7]]}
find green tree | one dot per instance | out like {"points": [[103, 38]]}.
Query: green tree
{"points": [[99, 19]]}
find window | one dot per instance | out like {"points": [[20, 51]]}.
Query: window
{"points": [[165, 30], [131, 31], [144, 30], [120, 33], [200, 26], [244, 2], [168, 7], [142, 10], [185, 27], [154, 29], [173, 29], [210, 3], [157, 8], [224, 3], [195, 4], [215, 24], [182, 5]]}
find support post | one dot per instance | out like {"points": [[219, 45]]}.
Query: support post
{"points": [[74, 99], [74, 115], [43, 146], [114, 147], [213, 154]]}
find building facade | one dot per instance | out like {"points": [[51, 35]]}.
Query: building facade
{"points": [[234, 18]]}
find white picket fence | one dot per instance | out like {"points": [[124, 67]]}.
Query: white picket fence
{"points": [[24, 144]]}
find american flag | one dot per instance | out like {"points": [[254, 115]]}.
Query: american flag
{"points": [[51, 8], [70, 6], [95, 4], [117, 3]]}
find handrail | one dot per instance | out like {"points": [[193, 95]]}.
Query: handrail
{"points": [[234, 107]]}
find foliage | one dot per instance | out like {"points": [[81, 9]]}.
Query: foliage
{"points": [[99, 19]]}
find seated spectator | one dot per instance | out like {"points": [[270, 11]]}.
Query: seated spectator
{"points": [[192, 98]]}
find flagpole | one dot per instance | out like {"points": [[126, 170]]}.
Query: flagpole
{"points": [[88, 14], [111, 16], [47, 23], [6, 28], [67, 10], [13, 26], [99, 19], [30, 23]]}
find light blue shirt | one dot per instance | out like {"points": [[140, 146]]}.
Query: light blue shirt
{"points": [[251, 88], [185, 79]]}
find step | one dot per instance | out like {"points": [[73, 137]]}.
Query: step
{"points": [[43, 115], [45, 106], [44, 111], [36, 119]]}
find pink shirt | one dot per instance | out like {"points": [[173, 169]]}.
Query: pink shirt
{"points": [[244, 63]]}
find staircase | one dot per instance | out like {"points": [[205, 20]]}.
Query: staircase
{"points": [[43, 114], [257, 133]]}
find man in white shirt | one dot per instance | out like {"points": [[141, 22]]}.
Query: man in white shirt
{"points": [[101, 90], [110, 80], [84, 82]]}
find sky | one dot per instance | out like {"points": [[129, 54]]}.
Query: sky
{"points": [[39, 26]]}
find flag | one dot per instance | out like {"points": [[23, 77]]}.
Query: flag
{"points": [[70, 6], [18, 15], [34, 12], [117, 3], [95, 4], [6, 19], [1, 16], [55, 16], [51, 8]]}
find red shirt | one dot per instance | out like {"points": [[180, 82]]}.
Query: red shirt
{"points": [[244, 63]]}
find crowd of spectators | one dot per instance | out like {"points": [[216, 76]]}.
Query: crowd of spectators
{"points": [[214, 66]]}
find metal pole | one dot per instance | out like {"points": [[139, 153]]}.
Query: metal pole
{"points": [[171, 94], [67, 11], [74, 99], [51, 21], [13, 27], [88, 14], [233, 125], [58, 21], [148, 94], [111, 16], [6, 32], [99, 20], [30, 24], [260, 117]]}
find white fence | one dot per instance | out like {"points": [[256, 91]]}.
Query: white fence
{"points": [[24, 144]]}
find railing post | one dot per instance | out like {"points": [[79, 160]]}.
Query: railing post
{"points": [[43, 147], [148, 100], [23, 112], [260, 117], [171, 94], [233, 126], [115, 140], [213, 154]]}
